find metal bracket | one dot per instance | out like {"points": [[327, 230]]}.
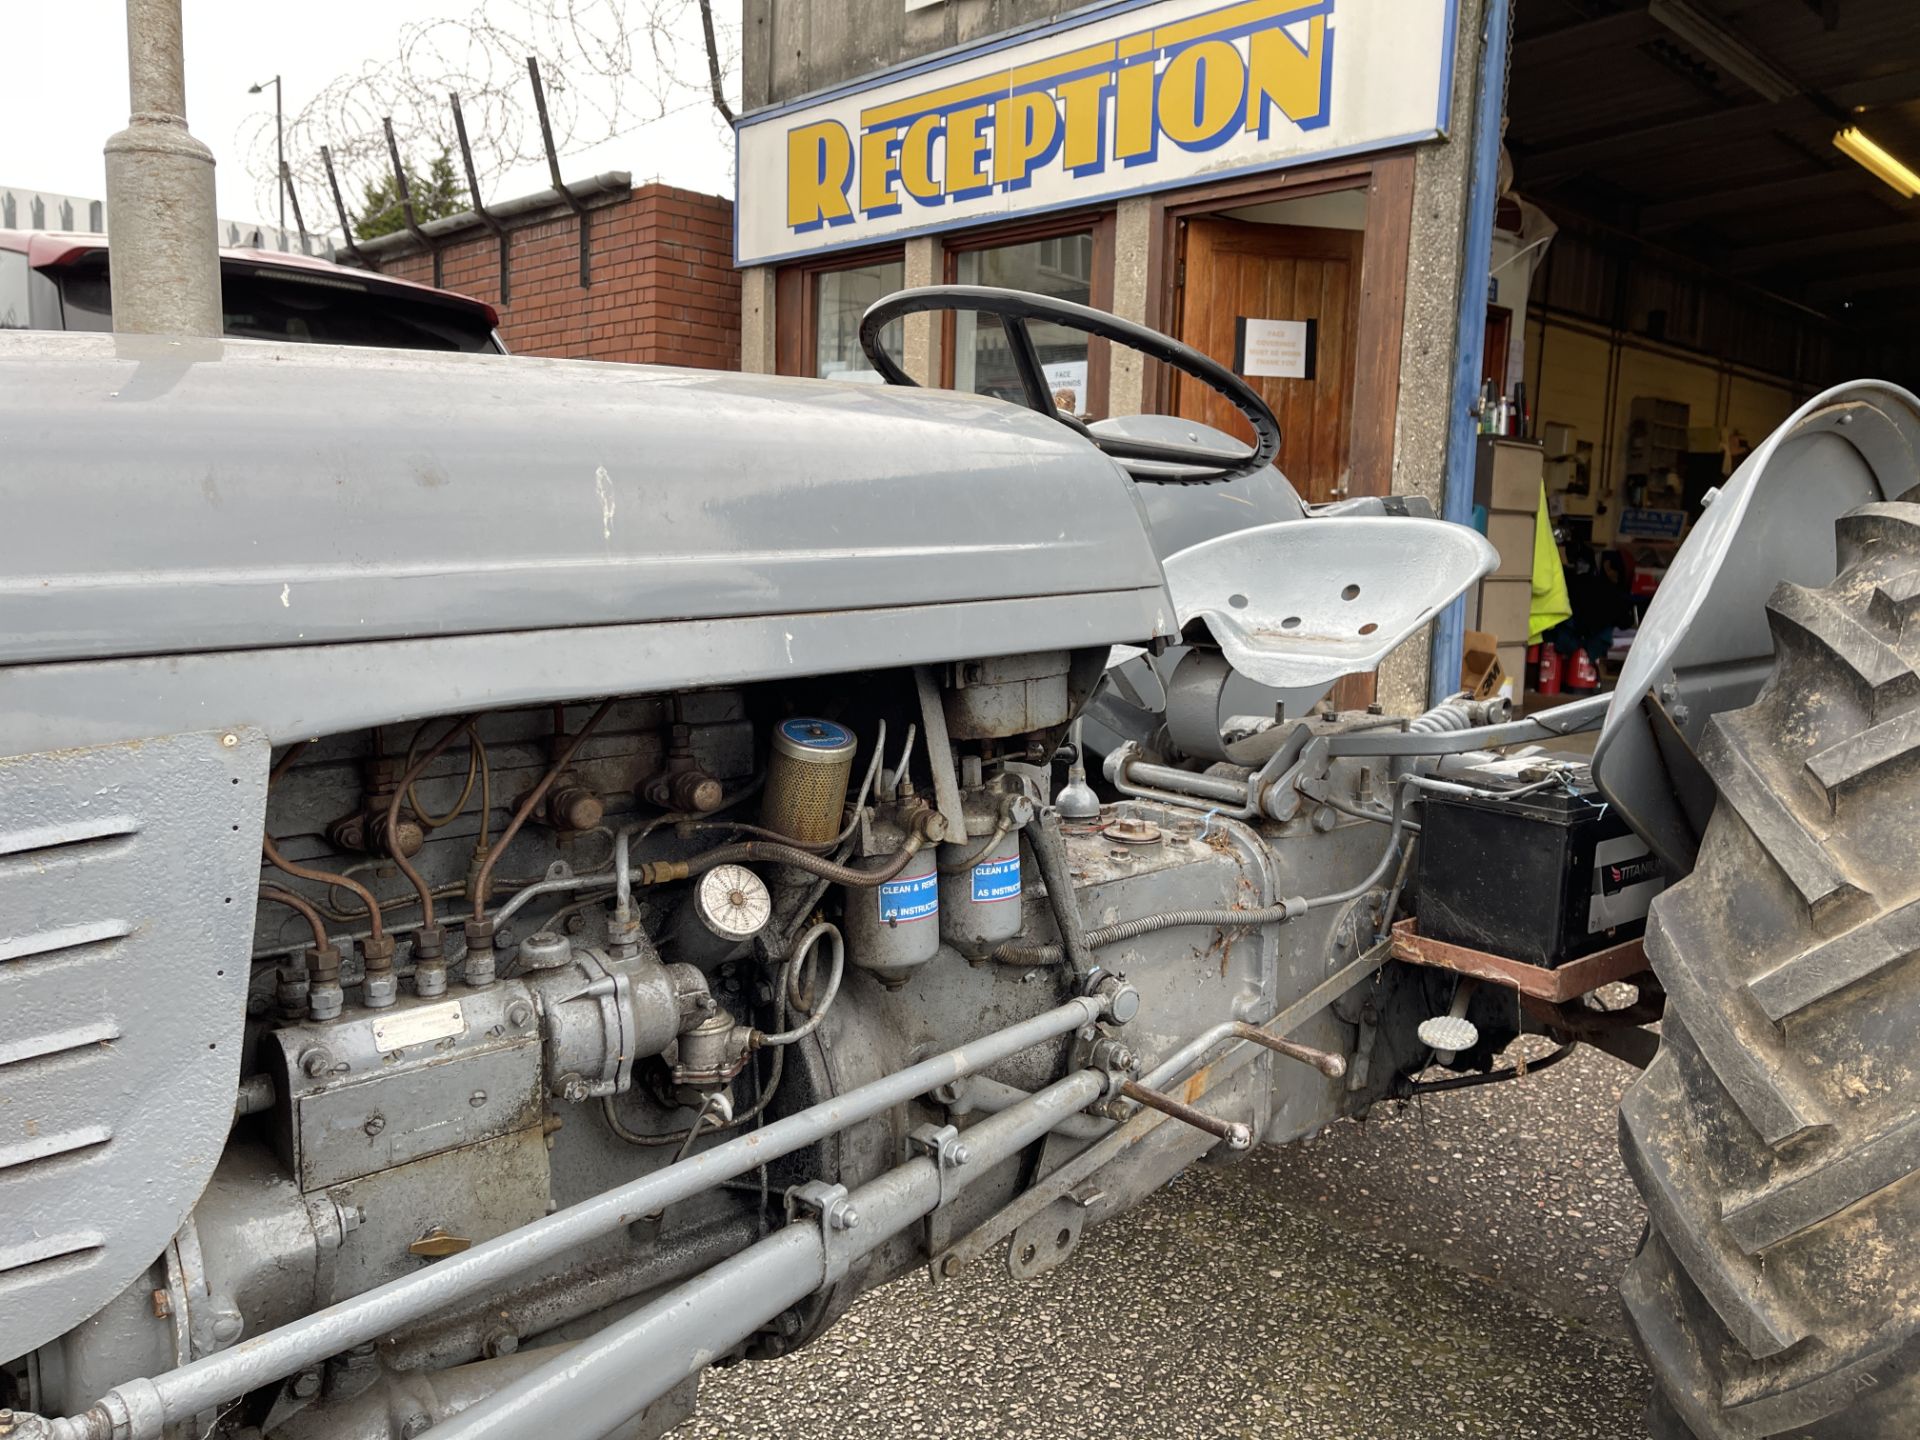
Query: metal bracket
{"points": [[1114, 1059], [1123, 1000], [1197, 705], [400, 186], [1367, 1032], [942, 1145], [933, 722], [487, 217], [293, 199], [1047, 1241], [571, 200], [340, 209], [837, 1217], [1317, 788], [1568, 981]]}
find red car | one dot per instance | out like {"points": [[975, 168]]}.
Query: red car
{"points": [[53, 281]]}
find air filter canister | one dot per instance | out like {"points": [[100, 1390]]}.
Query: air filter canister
{"points": [[807, 777]]}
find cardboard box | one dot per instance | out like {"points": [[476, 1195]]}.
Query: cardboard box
{"points": [[1512, 535], [1480, 672], [1506, 609], [1513, 664], [1572, 504], [1507, 474]]}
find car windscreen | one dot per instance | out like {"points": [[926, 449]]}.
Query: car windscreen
{"points": [[265, 303]]}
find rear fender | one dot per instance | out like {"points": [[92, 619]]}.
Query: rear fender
{"points": [[1704, 645]]}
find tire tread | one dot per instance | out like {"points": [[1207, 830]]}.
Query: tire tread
{"points": [[1764, 1158]]}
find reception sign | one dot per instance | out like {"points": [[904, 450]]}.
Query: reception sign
{"points": [[1130, 98]]}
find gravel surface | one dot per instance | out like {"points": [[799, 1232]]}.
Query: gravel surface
{"points": [[1518, 1183], [1443, 1269]]}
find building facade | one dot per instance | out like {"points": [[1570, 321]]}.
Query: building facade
{"points": [[1279, 183]]}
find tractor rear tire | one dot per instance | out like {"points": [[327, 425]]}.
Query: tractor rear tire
{"points": [[1776, 1135]]}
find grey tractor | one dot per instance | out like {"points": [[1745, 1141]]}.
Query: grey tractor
{"points": [[521, 880]]}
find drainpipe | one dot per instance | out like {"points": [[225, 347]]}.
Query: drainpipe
{"points": [[1476, 261], [163, 253]]}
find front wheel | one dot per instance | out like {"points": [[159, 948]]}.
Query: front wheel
{"points": [[1776, 1136]]}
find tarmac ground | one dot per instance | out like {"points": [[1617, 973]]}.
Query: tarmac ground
{"points": [[1442, 1269]]}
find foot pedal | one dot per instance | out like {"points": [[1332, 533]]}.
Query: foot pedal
{"points": [[1448, 1034]]}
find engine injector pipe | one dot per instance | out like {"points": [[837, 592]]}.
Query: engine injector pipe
{"points": [[429, 944], [483, 882], [479, 929], [305, 909], [375, 925], [317, 984], [141, 1409], [391, 821]]}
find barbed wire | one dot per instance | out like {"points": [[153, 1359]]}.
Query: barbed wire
{"points": [[610, 68]]}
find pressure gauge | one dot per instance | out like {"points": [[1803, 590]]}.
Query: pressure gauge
{"points": [[732, 902]]}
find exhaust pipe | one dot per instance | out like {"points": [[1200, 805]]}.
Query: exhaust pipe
{"points": [[163, 253]]}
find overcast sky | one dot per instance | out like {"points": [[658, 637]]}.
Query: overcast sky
{"points": [[66, 92]]}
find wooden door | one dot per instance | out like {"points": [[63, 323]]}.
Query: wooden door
{"points": [[1234, 270]]}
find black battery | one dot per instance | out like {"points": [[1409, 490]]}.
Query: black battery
{"points": [[1539, 874]]}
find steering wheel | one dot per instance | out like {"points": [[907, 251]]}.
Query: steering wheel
{"points": [[1145, 460]]}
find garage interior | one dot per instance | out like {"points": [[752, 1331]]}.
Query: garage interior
{"points": [[1712, 218]]}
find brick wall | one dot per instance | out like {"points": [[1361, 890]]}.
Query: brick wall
{"points": [[664, 288]]}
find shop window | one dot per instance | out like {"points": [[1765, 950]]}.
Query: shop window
{"points": [[840, 298], [1061, 266]]}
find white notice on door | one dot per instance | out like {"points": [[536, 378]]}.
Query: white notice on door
{"points": [[1067, 379], [1280, 349]]}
